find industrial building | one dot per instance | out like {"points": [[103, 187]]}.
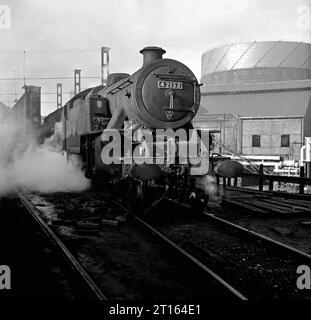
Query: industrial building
{"points": [[258, 96], [27, 110]]}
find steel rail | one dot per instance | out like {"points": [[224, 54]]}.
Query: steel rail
{"points": [[270, 193], [255, 234], [184, 253], [73, 263], [260, 236]]}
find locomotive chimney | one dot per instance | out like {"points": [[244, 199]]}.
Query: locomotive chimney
{"points": [[151, 54]]}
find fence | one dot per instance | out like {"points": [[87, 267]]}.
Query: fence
{"points": [[269, 179]]}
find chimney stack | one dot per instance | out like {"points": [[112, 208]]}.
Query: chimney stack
{"points": [[151, 54]]}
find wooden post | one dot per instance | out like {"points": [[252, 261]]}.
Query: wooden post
{"points": [[261, 177], [224, 191], [217, 180], [235, 182], [224, 182], [218, 185], [229, 181], [271, 184], [302, 185]]}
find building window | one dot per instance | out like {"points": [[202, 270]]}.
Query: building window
{"points": [[256, 140], [285, 140]]}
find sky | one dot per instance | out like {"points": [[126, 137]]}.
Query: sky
{"points": [[59, 36]]}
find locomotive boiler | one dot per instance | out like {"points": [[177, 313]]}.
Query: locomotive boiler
{"points": [[163, 94]]}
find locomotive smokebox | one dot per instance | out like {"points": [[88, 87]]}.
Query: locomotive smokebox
{"points": [[151, 54]]}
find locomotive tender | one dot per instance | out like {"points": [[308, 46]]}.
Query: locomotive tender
{"points": [[162, 94]]}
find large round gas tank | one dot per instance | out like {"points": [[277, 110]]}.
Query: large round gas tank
{"points": [[167, 95], [229, 169]]}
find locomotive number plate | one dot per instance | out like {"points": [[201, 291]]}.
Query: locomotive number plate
{"points": [[170, 85]]}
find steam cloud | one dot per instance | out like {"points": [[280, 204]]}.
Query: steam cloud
{"points": [[38, 168], [207, 183]]}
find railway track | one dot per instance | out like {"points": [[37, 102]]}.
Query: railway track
{"points": [[291, 250], [182, 269], [243, 257], [222, 259], [282, 194], [84, 286], [229, 291], [268, 203]]}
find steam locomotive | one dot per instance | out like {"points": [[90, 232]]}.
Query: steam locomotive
{"points": [[157, 102]]}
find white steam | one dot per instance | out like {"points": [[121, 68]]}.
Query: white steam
{"points": [[207, 183], [24, 164]]}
